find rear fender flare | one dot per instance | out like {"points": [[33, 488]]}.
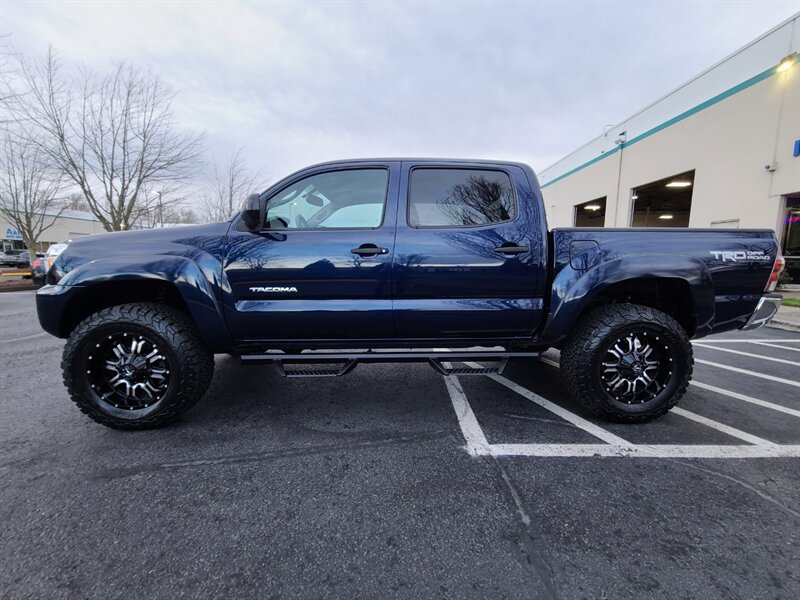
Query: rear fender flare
{"points": [[573, 289]]}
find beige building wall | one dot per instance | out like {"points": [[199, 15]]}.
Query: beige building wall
{"points": [[66, 227], [727, 144]]}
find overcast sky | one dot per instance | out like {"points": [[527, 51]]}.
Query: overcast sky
{"points": [[300, 83]]}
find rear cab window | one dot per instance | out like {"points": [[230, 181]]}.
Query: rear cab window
{"points": [[459, 197]]}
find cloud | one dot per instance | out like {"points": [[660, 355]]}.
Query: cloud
{"points": [[300, 83]]}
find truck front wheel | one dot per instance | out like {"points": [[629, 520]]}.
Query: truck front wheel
{"points": [[136, 366], [627, 363]]}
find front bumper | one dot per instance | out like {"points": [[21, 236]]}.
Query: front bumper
{"points": [[765, 310]]}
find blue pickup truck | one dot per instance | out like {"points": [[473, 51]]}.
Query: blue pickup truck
{"points": [[444, 261]]}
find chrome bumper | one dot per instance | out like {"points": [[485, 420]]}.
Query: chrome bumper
{"points": [[765, 310]]}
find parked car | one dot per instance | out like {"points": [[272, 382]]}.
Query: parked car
{"points": [[9, 258], [24, 259], [43, 262], [401, 254]]}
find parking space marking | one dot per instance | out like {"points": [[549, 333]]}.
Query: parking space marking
{"points": [[724, 392], [750, 399], [571, 417], [749, 354], [781, 340], [473, 434], [615, 446], [746, 372], [644, 451], [726, 429], [777, 346]]}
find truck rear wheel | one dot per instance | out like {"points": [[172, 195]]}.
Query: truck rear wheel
{"points": [[136, 366], [627, 363]]}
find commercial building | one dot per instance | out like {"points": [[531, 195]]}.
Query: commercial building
{"points": [[68, 225], [722, 150]]}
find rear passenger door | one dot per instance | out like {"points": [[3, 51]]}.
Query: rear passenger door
{"points": [[468, 253]]}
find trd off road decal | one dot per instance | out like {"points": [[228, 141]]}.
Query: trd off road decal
{"points": [[741, 255]]}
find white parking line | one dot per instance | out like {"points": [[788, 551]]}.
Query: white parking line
{"points": [[644, 451], [726, 429], [473, 434], [587, 426], [750, 354], [713, 388], [753, 341], [777, 346], [478, 445], [746, 372], [750, 399]]}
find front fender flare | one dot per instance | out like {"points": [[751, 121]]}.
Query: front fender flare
{"points": [[186, 275]]}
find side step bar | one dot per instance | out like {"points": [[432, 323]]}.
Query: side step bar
{"points": [[336, 364]]}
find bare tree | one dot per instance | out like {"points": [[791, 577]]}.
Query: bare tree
{"points": [[111, 134], [28, 190], [228, 186]]}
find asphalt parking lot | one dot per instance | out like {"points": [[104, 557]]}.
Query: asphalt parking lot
{"points": [[394, 481]]}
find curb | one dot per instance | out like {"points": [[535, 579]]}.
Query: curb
{"points": [[783, 325], [19, 288]]}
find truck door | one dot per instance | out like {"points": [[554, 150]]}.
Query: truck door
{"points": [[469, 253], [321, 267]]}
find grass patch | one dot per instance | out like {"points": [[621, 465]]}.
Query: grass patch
{"points": [[791, 302]]}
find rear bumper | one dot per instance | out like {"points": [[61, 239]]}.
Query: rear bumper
{"points": [[765, 310]]}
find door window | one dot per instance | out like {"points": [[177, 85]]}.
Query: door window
{"points": [[459, 198], [353, 199]]}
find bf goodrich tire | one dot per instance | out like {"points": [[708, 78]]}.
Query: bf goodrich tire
{"points": [[136, 366], [627, 363]]}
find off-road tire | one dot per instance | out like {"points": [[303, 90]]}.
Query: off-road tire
{"points": [[191, 363], [582, 355]]}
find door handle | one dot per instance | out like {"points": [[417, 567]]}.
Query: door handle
{"points": [[369, 250], [511, 249]]}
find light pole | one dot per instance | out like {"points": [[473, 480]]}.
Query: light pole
{"points": [[160, 207]]}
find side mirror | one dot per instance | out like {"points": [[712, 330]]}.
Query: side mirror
{"points": [[253, 212]]}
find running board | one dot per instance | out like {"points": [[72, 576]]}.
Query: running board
{"points": [[437, 364], [336, 364]]}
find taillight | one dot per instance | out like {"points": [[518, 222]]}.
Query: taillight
{"points": [[37, 263], [772, 282]]}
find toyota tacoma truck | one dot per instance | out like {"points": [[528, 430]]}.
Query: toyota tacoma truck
{"points": [[444, 261]]}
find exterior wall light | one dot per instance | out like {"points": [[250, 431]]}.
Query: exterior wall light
{"points": [[679, 184], [787, 62]]}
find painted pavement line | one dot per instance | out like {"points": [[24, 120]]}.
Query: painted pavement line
{"points": [[753, 341], [470, 428], [576, 420], [749, 354], [777, 346], [644, 451], [750, 399], [746, 372]]}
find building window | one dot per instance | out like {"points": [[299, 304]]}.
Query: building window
{"points": [[591, 214], [791, 239], [663, 203]]}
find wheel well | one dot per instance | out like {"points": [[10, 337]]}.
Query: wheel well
{"points": [[98, 296], [669, 295]]}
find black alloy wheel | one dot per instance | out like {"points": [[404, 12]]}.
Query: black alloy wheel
{"points": [[627, 363], [136, 366]]}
